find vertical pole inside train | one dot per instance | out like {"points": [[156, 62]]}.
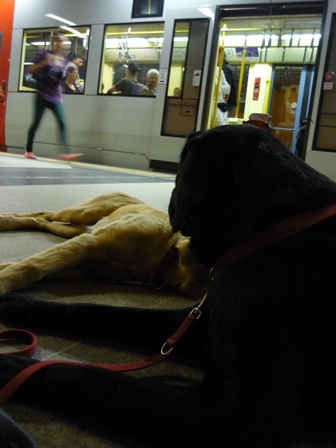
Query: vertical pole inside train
{"points": [[240, 83]]}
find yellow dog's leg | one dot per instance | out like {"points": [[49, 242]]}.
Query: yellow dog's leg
{"points": [[77, 217]]}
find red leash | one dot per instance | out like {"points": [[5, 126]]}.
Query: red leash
{"points": [[13, 385], [23, 335], [278, 232]]}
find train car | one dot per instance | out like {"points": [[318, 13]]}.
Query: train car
{"points": [[281, 56]]}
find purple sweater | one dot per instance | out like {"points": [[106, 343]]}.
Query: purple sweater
{"points": [[49, 78]]}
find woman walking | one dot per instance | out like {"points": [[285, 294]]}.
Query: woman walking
{"points": [[48, 67]]}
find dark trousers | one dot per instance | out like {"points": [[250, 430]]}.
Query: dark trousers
{"points": [[58, 110], [231, 111]]}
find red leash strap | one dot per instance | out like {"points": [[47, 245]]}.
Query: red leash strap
{"points": [[195, 314], [16, 382], [278, 232], [13, 385], [23, 335]]}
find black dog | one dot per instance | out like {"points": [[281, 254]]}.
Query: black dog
{"points": [[268, 332]]}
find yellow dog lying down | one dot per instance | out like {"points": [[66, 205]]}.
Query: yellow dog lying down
{"points": [[119, 236]]}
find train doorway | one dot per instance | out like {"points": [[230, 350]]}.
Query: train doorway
{"points": [[6, 25], [272, 56]]}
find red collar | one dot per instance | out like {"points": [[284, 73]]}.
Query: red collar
{"points": [[278, 232], [157, 279]]}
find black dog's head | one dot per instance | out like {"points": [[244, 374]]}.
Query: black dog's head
{"points": [[236, 180]]}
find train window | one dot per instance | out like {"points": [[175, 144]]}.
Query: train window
{"points": [[185, 73], [131, 52], [178, 58], [75, 54]]}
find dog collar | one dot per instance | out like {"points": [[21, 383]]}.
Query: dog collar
{"points": [[157, 279], [278, 232]]}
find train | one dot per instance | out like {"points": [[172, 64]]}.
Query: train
{"points": [[282, 53]]}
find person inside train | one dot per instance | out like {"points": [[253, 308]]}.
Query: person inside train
{"points": [[76, 61], [232, 77], [220, 108], [69, 83], [152, 82], [177, 92], [129, 84]]}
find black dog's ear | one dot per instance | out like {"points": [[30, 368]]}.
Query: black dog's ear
{"points": [[181, 196], [191, 137]]}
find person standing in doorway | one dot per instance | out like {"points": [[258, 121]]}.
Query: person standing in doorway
{"points": [[48, 67], [232, 77], [221, 107]]}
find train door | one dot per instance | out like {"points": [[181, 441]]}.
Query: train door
{"points": [[272, 50], [289, 101], [185, 76], [321, 126], [6, 25], [181, 95]]}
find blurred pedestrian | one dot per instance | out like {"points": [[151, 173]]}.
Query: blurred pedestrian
{"points": [[47, 69]]}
